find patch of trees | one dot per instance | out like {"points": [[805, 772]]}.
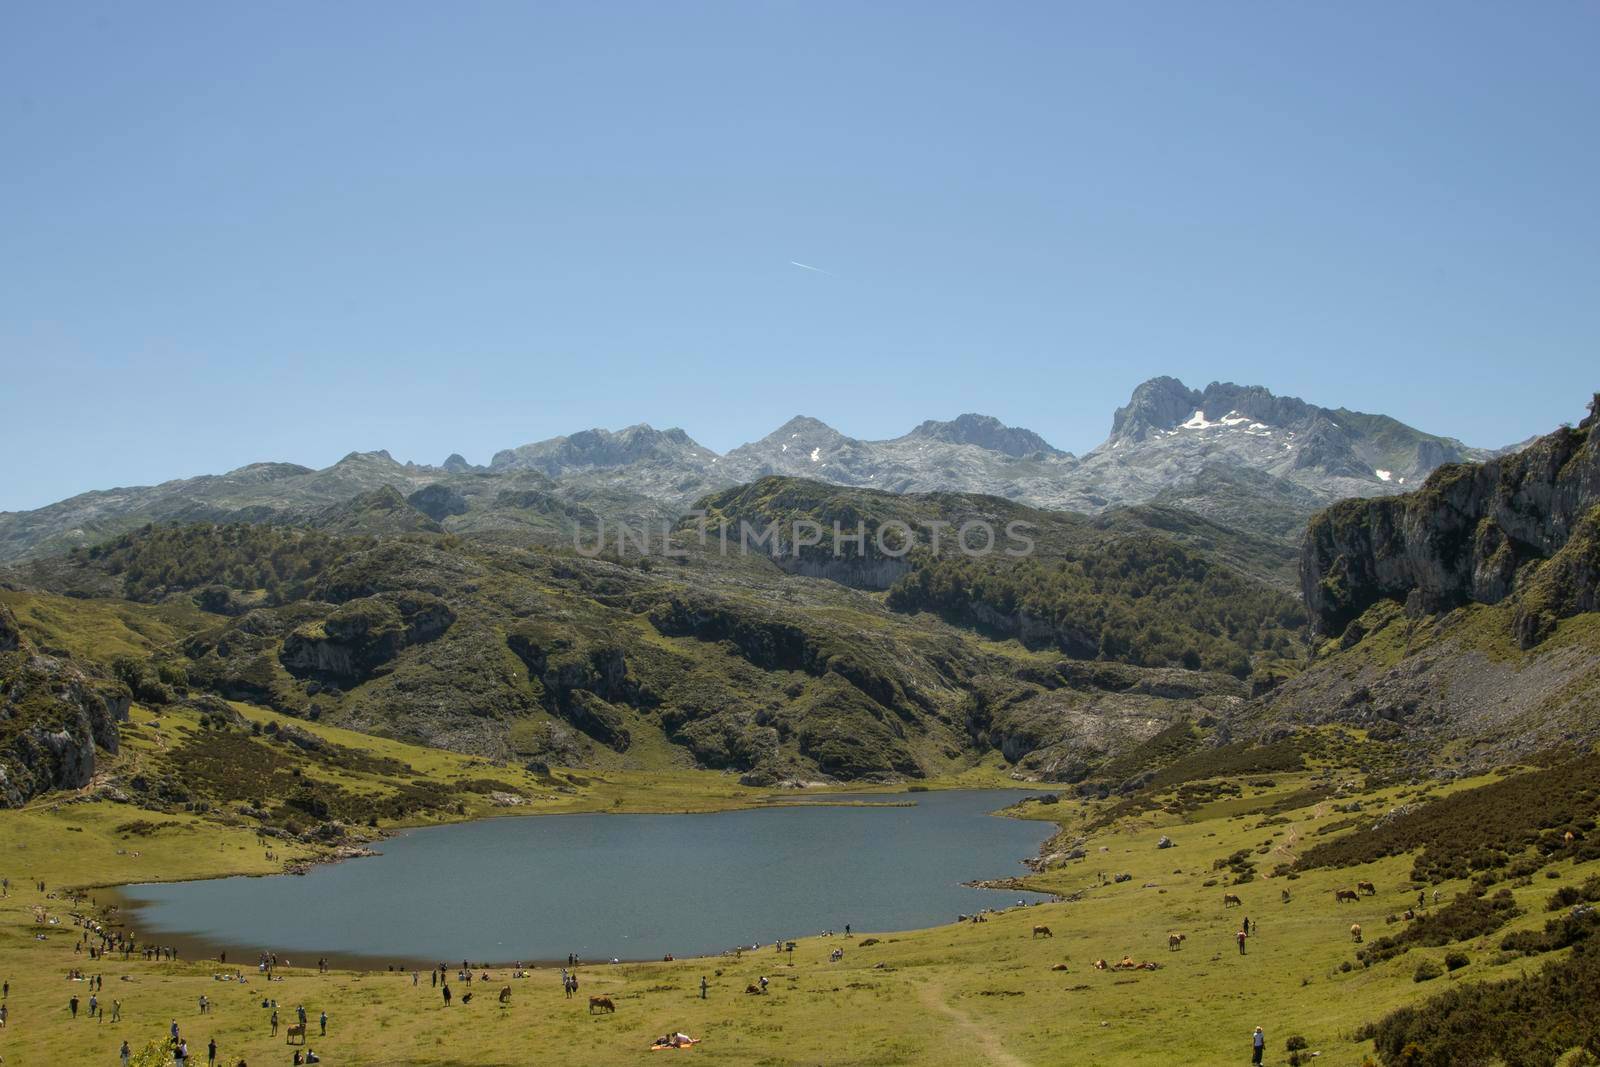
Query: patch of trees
{"points": [[154, 560], [1139, 600]]}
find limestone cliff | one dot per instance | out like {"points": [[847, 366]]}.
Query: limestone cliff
{"points": [[53, 718], [1528, 522]]}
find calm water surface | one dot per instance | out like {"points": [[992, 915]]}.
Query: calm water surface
{"points": [[629, 886]]}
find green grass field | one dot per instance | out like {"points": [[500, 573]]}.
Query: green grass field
{"points": [[960, 994]]}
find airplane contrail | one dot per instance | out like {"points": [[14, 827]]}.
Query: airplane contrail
{"points": [[807, 266]]}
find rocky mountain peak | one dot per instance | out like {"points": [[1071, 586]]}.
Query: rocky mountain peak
{"points": [[986, 431], [1157, 404], [601, 449]]}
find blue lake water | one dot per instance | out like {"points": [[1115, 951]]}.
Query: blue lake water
{"points": [[603, 886]]}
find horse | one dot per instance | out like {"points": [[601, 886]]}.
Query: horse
{"points": [[1175, 941], [1042, 931], [1368, 888], [601, 1004], [1342, 895], [1230, 899], [1355, 932], [505, 995], [297, 1030]]}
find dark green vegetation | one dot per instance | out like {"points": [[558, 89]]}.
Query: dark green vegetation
{"points": [[1529, 1021], [1468, 916], [366, 615], [1134, 586], [1485, 829]]}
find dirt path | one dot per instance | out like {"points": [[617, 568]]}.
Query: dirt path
{"points": [[987, 1042]]}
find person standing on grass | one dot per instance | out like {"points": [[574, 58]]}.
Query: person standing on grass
{"points": [[211, 1052], [1258, 1045], [116, 1011], [125, 1054], [73, 1005], [702, 987], [274, 1022], [324, 1021], [1240, 936]]}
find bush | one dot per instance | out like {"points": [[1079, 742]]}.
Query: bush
{"points": [[1296, 1043], [1481, 829], [1524, 1022], [1454, 961], [1427, 971], [1465, 918]]}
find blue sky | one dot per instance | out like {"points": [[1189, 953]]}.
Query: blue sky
{"points": [[236, 232]]}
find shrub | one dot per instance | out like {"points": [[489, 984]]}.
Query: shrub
{"points": [[1479, 829], [1296, 1043], [1523, 1022], [1454, 961], [1463, 919], [1427, 971]]}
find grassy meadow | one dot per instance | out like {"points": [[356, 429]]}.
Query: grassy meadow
{"points": [[985, 993]]}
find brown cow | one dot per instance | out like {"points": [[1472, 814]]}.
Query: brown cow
{"points": [[1355, 932], [602, 1004], [505, 995], [1368, 888], [297, 1030], [1042, 931], [1175, 941], [1229, 899], [1342, 895]]}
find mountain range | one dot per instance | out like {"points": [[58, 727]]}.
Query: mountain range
{"points": [[1237, 454]]}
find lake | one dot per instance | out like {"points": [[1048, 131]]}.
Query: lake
{"points": [[602, 886]]}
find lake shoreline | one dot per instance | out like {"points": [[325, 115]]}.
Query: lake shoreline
{"points": [[195, 945]]}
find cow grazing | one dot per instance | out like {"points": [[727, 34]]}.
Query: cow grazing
{"points": [[1342, 895], [1175, 941], [1355, 932], [1042, 931], [1230, 899], [1368, 888], [297, 1030], [601, 1004]]}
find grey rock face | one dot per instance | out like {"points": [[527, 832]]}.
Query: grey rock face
{"points": [[53, 718], [1228, 450], [1466, 535]]}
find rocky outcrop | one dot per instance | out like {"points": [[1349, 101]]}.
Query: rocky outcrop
{"points": [[579, 681], [10, 632], [438, 502], [53, 720], [363, 634], [1472, 533]]}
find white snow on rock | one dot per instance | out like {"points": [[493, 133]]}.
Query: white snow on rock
{"points": [[1384, 476], [1197, 421], [815, 453]]}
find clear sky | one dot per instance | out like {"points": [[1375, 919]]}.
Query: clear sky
{"points": [[233, 232]]}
